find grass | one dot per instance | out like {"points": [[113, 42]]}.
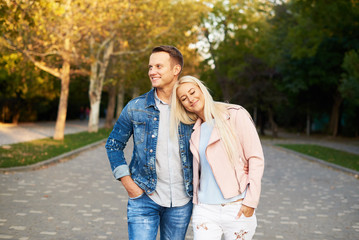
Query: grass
{"points": [[26, 153], [341, 158]]}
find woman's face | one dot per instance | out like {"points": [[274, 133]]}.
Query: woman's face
{"points": [[192, 98]]}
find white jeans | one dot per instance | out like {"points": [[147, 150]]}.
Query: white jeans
{"points": [[210, 222]]}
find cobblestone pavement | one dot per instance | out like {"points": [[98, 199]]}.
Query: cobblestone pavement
{"points": [[79, 199]]}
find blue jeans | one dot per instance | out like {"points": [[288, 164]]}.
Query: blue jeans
{"points": [[144, 216]]}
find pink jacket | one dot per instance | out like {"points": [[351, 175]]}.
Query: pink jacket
{"points": [[232, 181]]}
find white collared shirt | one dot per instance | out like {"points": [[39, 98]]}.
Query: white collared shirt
{"points": [[170, 189]]}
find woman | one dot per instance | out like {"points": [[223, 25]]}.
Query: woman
{"points": [[223, 141]]}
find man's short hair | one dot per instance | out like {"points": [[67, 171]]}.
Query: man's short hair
{"points": [[174, 53]]}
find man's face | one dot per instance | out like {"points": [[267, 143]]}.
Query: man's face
{"points": [[160, 70]]}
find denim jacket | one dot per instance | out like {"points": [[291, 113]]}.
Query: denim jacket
{"points": [[140, 118]]}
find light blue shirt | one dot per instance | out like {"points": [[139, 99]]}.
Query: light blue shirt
{"points": [[209, 192]]}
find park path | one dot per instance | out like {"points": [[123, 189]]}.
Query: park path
{"points": [[345, 144], [22, 132], [80, 199]]}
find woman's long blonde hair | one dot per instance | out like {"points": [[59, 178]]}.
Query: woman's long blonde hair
{"points": [[212, 110]]}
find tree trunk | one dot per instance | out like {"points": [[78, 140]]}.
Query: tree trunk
{"points": [[62, 110], [255, 111], [65, 78], [223, 84], [262, 123], [94, 102], [110, 107], [308, 124], [120, 98], [273, 124], [16, 117], [222, 80], [335, 115], [135, 92], [96, 84], [226, 90]]}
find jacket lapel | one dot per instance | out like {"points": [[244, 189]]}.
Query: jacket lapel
{"points": [[215, 134], [215, 137]]}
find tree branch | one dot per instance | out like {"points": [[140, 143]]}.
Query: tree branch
{"points": [[41, 54], [82, 72], [149, 43], [120, 53], [53, 71]]}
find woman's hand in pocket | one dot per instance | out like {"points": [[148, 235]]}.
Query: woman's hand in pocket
{"points": [[246, 211]]}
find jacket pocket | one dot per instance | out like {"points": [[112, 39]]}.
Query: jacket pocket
{"points": [[139, 131]]}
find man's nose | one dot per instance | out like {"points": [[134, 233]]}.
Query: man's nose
{"points": [[151, 71]]}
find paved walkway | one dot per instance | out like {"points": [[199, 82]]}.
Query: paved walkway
{"points": [[344, 144], [79, 199], [10, 133]]}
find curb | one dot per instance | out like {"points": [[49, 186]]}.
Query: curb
{"points": [[317, 160], [57, 159]]}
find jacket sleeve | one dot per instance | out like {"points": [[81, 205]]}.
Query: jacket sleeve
{"points": [[116, 143], [253, 153]]}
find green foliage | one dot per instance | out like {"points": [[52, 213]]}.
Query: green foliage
{"points": [[309, 40], [25, 92], [27, 153], [341, 158], [349, 86], [231, 32], [293, 58], [78, 97], [39, 29]]}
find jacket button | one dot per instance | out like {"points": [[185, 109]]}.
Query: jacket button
{"points": [[153, 136], [155, 119], [151, 150]]}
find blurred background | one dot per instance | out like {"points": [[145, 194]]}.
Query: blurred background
{"points": [[294, 65]]}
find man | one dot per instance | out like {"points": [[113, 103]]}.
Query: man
{"points": [[159, 177]]}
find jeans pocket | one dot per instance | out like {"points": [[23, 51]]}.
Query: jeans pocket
{"points": [[134, 198], [248, 218]]}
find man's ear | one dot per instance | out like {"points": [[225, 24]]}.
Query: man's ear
{"points": [[177, 69]]}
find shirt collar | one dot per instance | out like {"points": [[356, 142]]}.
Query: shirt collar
{"points": [[159, 101]]}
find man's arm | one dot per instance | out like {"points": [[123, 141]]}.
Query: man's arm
{"points": [[116, 143], [131, 187]]}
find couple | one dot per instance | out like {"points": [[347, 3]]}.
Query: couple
{"points": [[187, 148]]}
